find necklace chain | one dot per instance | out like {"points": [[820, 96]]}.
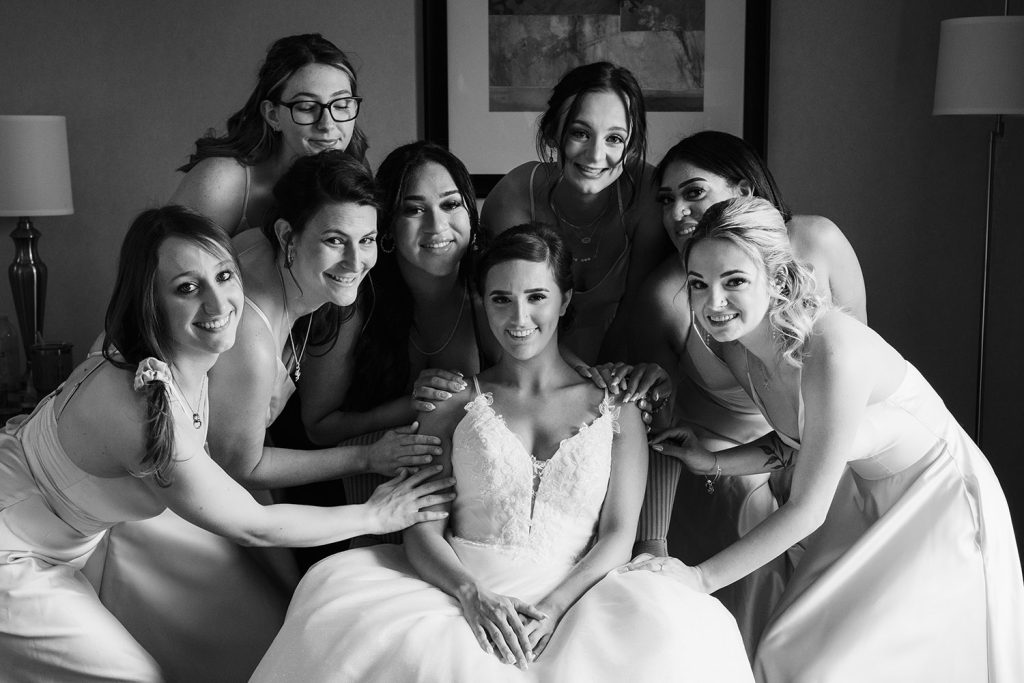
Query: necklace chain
{"points": [[197, 420], [451, 335], [583, 234], [296, 373]]}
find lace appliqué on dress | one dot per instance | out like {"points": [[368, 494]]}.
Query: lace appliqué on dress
{"points": [[572, 483]]}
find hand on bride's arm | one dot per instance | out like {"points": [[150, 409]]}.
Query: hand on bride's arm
{"points": [[681, 443], [498, 623], [402, 501], [670, 567]]}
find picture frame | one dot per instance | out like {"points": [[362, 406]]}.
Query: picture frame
{"points": [[741, 109]]}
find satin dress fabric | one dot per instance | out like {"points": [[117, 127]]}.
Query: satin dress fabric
{"points": [[711, 402], [365, 615], [203, 606], [52, 517], [914, 576]]}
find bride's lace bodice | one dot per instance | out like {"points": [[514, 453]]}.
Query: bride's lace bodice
{"points": [[509, 500]]}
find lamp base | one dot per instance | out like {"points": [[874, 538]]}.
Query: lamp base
{"points": [[28, 285]]}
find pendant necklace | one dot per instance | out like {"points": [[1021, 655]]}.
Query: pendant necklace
{"points": [[197, 420], [451, 335], [584, 234], [296, 355]]}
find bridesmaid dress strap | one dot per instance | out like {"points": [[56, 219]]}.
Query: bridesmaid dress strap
{"points": [[533, 172], [476, 386]]}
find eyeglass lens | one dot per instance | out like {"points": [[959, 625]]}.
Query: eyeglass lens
{"points": [[307, 112]]}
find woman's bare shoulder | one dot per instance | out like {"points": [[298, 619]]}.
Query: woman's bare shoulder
{"points": [[508, 203]]}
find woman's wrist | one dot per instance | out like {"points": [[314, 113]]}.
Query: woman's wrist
{"points": [[712, 473]]}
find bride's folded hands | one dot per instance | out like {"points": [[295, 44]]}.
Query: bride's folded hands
{"points": [[691, 577], [402, 501], [497, 622]]}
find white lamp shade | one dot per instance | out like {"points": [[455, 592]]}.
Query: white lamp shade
{"points": [[35, 175], [981, 66]]}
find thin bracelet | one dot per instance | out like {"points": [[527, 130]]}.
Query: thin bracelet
{"points": [[709, 482]]}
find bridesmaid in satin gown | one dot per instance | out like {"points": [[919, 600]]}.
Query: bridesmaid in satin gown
{"points": [[125, 438], [521, 585], [910, 570], [697, 172], [174, 585]]}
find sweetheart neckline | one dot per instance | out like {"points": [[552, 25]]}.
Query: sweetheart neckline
{"points": [[488, 399]]}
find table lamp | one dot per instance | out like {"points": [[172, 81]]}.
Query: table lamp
{"points": [[35, 180]]}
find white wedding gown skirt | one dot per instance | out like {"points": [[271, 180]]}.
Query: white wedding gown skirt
{"points": [[365, 615]]}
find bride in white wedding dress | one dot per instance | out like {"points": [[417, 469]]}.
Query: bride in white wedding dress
{"points": [[520, 583]]}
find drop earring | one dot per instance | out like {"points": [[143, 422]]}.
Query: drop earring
{"points": [[387, 243]]}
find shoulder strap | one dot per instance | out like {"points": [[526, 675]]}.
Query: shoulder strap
{"points": [[74, 388], [533, 172], [243, 222], [260, 313], [476, 386]]}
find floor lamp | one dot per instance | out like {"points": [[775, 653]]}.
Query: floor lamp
{"points": [[35, 180], [981, 71]]}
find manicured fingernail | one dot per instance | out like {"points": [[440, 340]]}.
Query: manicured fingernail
{"points": [[427, 407], [445, 394], [658, 447]]}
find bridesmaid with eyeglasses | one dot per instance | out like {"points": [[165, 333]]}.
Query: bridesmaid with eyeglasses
{"points": [[306, 100]]}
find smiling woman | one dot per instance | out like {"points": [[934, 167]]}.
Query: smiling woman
{"points": [[519, 586], [318, 250], [594, 188], [125, 439], [305, 101], [410, 347]]}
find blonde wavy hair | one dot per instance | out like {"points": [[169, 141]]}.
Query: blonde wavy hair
{"points": [[756, 226]]}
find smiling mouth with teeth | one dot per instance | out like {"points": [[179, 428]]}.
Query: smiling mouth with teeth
{"points": [[347, 280], [214, 325], [722, 317], [437, 245], [521, 334]]}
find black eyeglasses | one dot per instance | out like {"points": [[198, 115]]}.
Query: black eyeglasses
{"points": [[308, 112]]}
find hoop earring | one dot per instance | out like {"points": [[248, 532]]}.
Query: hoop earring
{"points": [[387, 243]]}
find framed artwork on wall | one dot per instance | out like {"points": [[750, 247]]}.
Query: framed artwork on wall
{"points": [[489, 66]]}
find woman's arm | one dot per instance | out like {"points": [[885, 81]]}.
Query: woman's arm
{"points": [[241, 385], [326, 382], [205, 495], [616, 529], [497, 621], [215, 187], [767, 454], [821, 243], [837, 381]]}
